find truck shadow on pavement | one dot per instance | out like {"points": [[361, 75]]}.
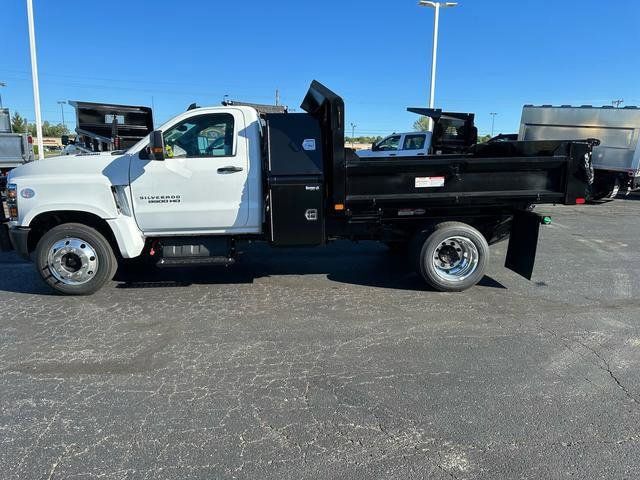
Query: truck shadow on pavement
{"points": [[19, 276], [631, 196], [365, 264]]}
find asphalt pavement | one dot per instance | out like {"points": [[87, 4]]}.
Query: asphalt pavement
{"points": [[333, 363]]}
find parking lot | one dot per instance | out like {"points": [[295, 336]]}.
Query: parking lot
{"points": [[333, 363]]}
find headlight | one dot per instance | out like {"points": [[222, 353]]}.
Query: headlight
{"points": [[12, 200]]}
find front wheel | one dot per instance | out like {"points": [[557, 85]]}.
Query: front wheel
{"points": [[453, 257], [75, 259]]}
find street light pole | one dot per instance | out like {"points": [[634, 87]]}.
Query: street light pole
{"points": [[61, 103], [434, 53], [493, 121], [34, 75], [353, 134]]}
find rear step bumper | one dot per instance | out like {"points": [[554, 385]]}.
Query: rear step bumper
{"points": [[195, 262]]}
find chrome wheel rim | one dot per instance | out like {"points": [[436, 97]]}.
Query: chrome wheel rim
{"points": [[73, 261], [455, 259]]}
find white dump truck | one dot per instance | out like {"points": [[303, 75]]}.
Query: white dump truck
{"points": [[211, 178]]}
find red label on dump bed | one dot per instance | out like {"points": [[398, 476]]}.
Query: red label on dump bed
{"points": [[429, 182]]}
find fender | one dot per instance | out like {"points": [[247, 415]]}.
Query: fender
{"points": [[130, 240], [68, 207]]}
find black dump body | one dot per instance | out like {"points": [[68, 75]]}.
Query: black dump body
{"points": [[104, 127], [505, 175], [318, 190], [509, 175]]}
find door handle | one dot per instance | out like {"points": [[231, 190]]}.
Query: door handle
{"points": [[230, 169]]}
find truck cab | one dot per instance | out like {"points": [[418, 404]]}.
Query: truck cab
{"points": [[209, 181], [399, 145]]}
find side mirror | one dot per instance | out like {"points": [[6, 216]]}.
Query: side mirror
{"points": [[64, 139], [156, 146], [374, 147]]}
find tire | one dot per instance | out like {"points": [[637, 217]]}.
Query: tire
{"points": [[613, 193], [453, 257], [75, 259], [606, 192]]}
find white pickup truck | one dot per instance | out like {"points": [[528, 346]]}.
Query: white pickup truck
{"points": [[399, 145], [452, 133], [210, 178]]}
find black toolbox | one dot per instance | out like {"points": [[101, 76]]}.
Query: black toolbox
{"points": [[295, 180]]}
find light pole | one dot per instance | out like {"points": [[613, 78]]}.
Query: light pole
{"points": [[61, 103], [34, 75], [353, 133], [434, 54], [493, 121], [2, 84]]}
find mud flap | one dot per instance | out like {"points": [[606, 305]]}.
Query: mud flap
{"points": [[523, 243]]}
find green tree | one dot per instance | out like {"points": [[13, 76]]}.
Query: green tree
{"points": [[362, 139], [49, 130], [18, 124], [421, 125], [484, 138]]}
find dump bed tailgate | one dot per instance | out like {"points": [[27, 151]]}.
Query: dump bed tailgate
{"points": [[14, 150]]}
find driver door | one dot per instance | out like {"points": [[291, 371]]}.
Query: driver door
{"points": [[201, 186]]}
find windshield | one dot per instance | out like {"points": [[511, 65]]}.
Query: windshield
{"points": [[389, 144]]}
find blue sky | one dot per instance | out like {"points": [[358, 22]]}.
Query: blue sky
{"points": [[494, 56]]}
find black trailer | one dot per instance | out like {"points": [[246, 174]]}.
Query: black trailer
{"points": [[443, 209], [102, 127]]}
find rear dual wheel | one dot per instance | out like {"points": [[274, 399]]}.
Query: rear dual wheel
{"points": [[605, 189], [453, 257]]}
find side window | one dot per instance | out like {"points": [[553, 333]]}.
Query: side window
{"points": [[202, 136], [389, 144], [414, 142]]}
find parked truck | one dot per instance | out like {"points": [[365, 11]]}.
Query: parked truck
{"points": [[616, 161], [15, 149], [452, 133], [104, 127], [194, 190]]}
